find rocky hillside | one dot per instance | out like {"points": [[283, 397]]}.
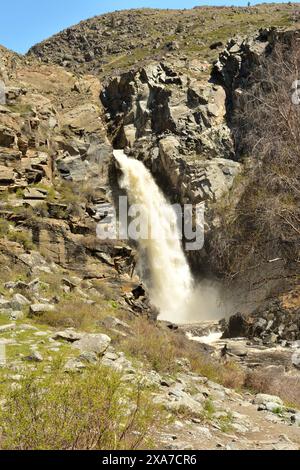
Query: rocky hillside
{"points": [[171, 88], [110, 44], [54, 184]]}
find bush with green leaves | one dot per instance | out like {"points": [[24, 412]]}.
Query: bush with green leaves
{"points": [[92, 410]]}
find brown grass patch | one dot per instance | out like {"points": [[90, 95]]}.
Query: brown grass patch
{"points": [[161, 349], [287, 387]]}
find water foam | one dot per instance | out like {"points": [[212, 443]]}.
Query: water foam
{"points": [[163, 266]]}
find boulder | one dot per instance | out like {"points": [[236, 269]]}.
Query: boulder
{"points": [[17, 315], [7, 176], [273, 407], [180, 402], [237, 326], [35, 194], [19, 301], [7, 137], [117, 361], [9, 157], [39, 309], [69, 335], [295, 419], [96, 343], [296, 359], [9, 327], [238, 350], [32, 285], [34, 356], [113, 322], [88, 356], [263, 399], [74, 365]]}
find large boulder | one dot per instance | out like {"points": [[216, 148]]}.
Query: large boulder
{"points": [[7, 176], [68, 335], [39, 309], [237, 326], [97, 343]]}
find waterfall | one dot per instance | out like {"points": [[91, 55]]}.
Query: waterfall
{"points": [[162, 263]]}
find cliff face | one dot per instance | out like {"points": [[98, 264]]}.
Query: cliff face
{"points": [[187, 130], [54, 174]]}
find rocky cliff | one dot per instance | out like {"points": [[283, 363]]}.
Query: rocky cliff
{"points": [[182, 127], [55, 157]]}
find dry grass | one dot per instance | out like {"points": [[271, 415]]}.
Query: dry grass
{"points": [[286, 387], [152, 345], [229, 374], [162, 348], [12, 270], [21, 236]]}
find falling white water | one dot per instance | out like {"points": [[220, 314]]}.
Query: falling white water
{"points": [[163, 265], [210, 338]]}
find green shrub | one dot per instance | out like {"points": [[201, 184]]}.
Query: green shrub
{"points": [[21, 237], [20, 193], [209, 408], [4, 227], [90, 411]]}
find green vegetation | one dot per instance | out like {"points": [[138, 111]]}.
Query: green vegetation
{"points": [[4, 227], [22, 238], [209, 408], [20, 108], [225, 423], [80, 411], [72, 312], [8, 231]]}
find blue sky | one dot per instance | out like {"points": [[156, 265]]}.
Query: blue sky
{"points": [[26, 22]]}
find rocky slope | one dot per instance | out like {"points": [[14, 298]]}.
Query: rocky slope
{"points": [[51, 132], [109, 44], [164, 86]]}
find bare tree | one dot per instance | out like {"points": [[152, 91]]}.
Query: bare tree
{"points": [[266, 124]]}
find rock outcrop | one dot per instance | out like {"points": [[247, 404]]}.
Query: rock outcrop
{"points": [[177, 126], [276, 322]]}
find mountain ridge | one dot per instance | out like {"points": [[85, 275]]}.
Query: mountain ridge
{"points": [[114, 42]]}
